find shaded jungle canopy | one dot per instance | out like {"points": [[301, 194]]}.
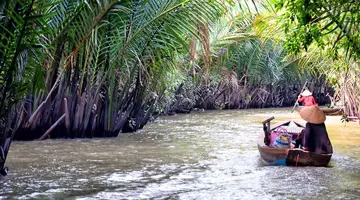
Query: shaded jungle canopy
{"points": [[100, 63], [329, 29]]}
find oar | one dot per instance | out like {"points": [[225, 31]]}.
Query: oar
{"points": [[296, 102]]}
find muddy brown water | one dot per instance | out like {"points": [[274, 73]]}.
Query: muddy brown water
{"points": [[203, 155]]}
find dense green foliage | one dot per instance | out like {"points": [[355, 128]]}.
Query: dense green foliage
{"points": [[117, 51], [94, 68], [112, 61], [332, 25], [89, 68], [329, 32]]}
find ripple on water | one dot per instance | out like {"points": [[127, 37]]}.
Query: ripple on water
{"points": [[209, 155]]}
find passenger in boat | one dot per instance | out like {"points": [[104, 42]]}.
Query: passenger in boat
{"points": [[307, 99], [315, 137]]}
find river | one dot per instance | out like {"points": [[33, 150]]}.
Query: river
{"points": [[202, 155]]}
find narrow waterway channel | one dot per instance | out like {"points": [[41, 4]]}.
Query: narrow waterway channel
{"points": [[203, 155]]}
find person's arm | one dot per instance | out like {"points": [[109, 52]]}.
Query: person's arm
{"points": [[301, 99]]}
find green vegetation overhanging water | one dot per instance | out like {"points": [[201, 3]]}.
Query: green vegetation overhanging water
{"points": [[208, 155]]}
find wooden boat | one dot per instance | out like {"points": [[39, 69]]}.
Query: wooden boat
{"points": [[3, 153], [332, 111], [290, 156], [329, 111], [3, 172]]}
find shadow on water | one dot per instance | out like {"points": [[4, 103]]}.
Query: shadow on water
{"points": [[210, 155]]}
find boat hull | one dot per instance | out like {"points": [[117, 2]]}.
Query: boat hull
{"points": [[292, 157], [299, 157], [272, 156]]}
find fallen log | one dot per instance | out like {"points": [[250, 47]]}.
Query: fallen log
{"points": [[34, 115], [52, 127]]}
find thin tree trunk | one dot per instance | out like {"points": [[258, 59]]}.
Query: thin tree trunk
{"points": [[52, 127], [67, 116], [205, 46]]}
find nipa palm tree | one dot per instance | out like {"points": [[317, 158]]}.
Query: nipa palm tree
{"points": [[89, 68]]}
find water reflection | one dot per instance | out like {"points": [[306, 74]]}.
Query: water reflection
{"points": [[210, 155]]}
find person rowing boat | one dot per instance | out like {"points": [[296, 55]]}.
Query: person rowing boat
{"points": [[277, 147], [307, 99]]}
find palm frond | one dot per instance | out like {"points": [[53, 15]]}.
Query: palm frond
{"points": [[23, 47]]}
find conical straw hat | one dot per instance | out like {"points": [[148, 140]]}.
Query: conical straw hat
{"points": [[312, 114], [306, 93]]}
